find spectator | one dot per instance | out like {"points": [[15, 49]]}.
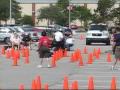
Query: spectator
{"points": [[112, 38], [68, 32], [69, 42], [43, 48], [27, 40], [15, 40], [116, 46], [59, 40]]}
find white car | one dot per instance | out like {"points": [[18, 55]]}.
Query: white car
{"points": [[98, 33], [5, 34]]}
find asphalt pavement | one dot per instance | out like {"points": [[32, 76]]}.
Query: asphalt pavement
{"points": [[12, 76]]}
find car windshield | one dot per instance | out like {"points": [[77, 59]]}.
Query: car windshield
{"points": [[98, 27]]}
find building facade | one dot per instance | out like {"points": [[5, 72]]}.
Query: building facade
{"points": [[31, 7]]}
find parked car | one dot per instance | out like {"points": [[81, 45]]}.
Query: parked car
{"points": [[73, 26], [98, 33], [38, 31], [5, 34], [27, 30]]}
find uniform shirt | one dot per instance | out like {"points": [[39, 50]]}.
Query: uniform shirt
{"points": [[58, 36], [69, 41], [44, 41]]}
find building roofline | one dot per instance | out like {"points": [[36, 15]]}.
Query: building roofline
{"points": [[55, 1]]}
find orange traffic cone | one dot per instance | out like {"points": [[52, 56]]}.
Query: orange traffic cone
{"points": [[109, 59], [38, 82], [26, 55], [3, 51], [80, 61], [91, 83], [8, 54], [18, 54], [12, 52], [97, 55], [53, 61], [113, 83], [21, 87], [15, 59], [34, 86], [94, 52], [27, 60], [77, 55], [65, 83], [85, 50], [99, 50], [75, 85], [46, 87], [90, 58], [72, 58], [59, 54], [65, 53], [26, 52], [23, 52]]}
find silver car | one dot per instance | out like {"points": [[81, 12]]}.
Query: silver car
{"points": [[28, 30], [5, 34]]}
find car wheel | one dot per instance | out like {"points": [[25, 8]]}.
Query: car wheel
{"points": [[88, 42]]}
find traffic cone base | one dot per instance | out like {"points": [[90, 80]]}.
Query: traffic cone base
{"points": [[65, 83], [91, 83], [113, 83]]}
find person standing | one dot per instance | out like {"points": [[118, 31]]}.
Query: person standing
{"points": [[27, 40], [112, 38], [44, 48], [69, 42], [15, 40], [116, 47], [59, 40]]}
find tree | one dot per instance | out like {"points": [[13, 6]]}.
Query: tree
{"points": [[59, 13], [27, 20], [16, 11], [104, 9], [64, 19], [116, 14], [63, 4], [83, 14], [55, 13], [50, 13], [5, 9]]}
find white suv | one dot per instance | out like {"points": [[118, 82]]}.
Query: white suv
{"points": [[98, 33]]}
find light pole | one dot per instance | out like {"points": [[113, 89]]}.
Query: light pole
{"points": [[10, 11], [69, 13]]}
